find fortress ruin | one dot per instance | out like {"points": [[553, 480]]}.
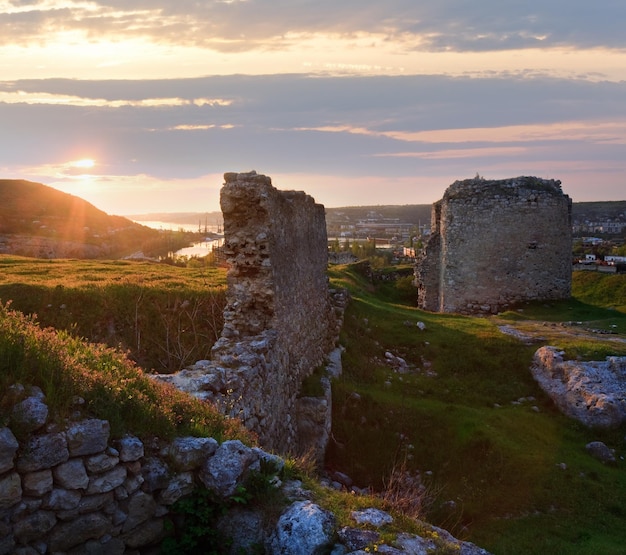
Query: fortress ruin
{"points": [[495, 243], [279, 322]]}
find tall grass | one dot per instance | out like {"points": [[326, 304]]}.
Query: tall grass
{"points": [[166, 317], [112, 387]]}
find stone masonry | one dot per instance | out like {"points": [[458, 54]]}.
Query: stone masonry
{"points": [[495, 243], [279, 321]]}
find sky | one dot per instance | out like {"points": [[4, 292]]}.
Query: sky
{"points": [[141, 106]]}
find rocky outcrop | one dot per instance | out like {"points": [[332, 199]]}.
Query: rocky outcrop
{"points": [[495, 243], [593, 393]]}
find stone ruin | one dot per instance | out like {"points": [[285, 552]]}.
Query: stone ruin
{"points": [[280, 322], [496, 243]]}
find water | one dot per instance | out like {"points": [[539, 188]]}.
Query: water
{"points": [[201, 248]]}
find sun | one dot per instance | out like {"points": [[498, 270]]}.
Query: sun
{"points": [[84, 163]]}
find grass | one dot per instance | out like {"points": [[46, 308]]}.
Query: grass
{"points": [[112, 387], [166, 317], [509, 472], [499, 464]]}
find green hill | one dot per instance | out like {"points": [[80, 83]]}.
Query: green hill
{"points": [[37, 220]]}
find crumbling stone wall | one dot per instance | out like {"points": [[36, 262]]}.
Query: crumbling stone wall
{"points": [[279, 324], [495, 243]]}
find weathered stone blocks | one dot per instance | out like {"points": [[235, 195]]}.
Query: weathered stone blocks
{"points": [[495, 243]]}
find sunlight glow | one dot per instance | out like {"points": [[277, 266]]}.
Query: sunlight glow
{"points": [[84, 163]]}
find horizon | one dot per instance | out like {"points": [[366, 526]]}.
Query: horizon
{"points": [[358, 103]]}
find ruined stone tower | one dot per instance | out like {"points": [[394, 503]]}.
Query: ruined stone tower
{"points": [[495, 243]]}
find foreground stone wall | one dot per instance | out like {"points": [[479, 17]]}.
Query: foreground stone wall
{"points": [[71, 490], [495, 243]]}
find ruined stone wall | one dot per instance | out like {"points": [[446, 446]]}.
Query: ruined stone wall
{"points": [[279, 324], [495, 243]]}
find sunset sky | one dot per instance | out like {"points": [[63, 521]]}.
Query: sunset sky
{"points": [[141, 106]]}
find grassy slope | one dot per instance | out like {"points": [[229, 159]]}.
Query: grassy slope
{"points": [[111, 386], [167, 317], [499, 465]]}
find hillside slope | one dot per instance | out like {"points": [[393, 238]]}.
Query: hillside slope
{"points": [[37, 220]]}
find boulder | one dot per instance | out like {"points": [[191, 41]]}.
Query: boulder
{"points": [[224, 471], [303, 528], [30, 414], [593, 393], [37, 483], [189, 453], [10, 490], [71, 475], [130, 448], [599, 450]]}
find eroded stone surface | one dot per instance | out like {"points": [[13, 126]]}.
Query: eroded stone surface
{"points": [[593, 393], [495, 243]]}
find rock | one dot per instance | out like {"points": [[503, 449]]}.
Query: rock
{"points": [[342, 478], [70, 534], [373, 517], [303, 528], [599, 450], [179, 486], [62, 500], [8, 448], [108, 481], [354, 538], [43, 452], [108, 546], [593, 393], [10, 490], [37, 483], [101, 462], [189, 453], [140, 508], [246, 528], [155, 473], [30, 414], [71, 475], [34, 526], [149, 532], [88, 437], [223, 472], [130, 448]]}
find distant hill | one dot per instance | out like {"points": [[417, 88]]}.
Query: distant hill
{"points": [[599, 210], [37, 220]]}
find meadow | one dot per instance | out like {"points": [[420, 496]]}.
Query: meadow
{"points": [[497, 463], [460, 435], [165, 317]]}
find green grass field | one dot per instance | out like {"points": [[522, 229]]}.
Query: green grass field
{"points": [[504, 469], [499, 465]]}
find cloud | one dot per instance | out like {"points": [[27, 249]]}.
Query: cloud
{"points": [[402, 129], [239, 26]]}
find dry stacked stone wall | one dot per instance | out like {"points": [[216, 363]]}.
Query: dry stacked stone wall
{"points": [[496, 243], [73, 490], [279, 322]]}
